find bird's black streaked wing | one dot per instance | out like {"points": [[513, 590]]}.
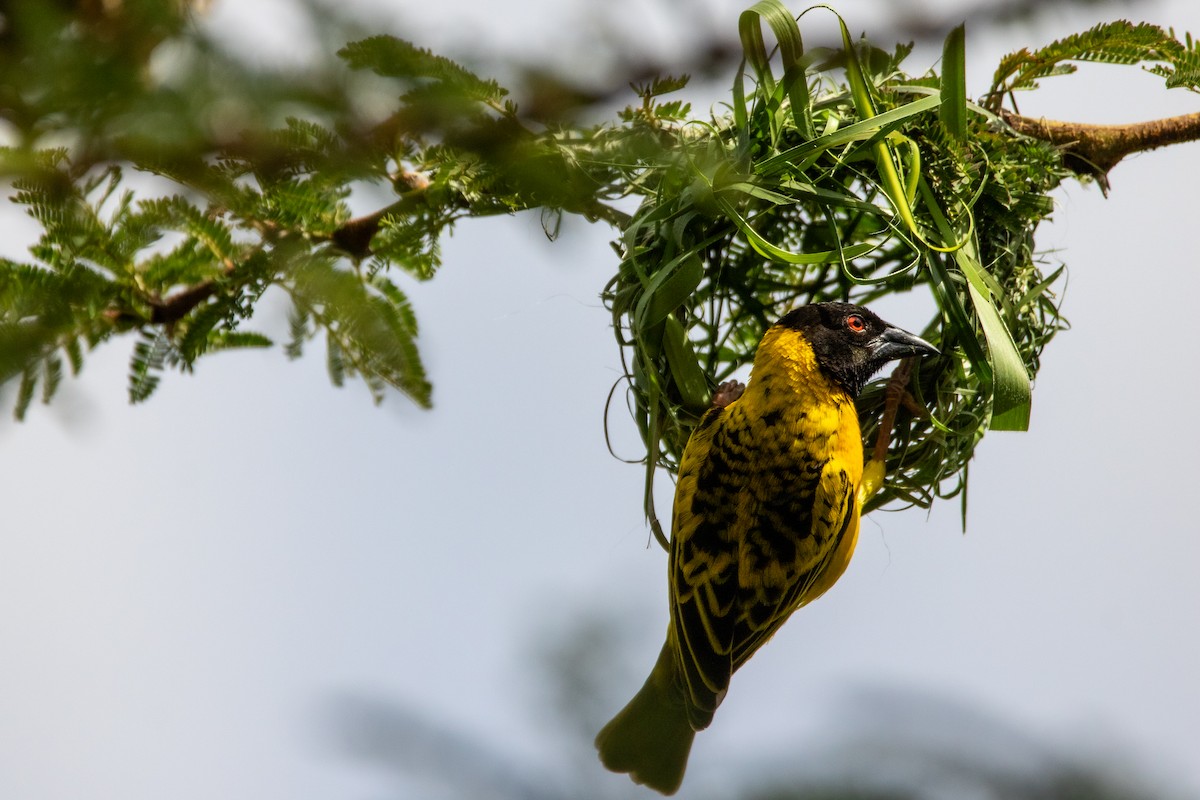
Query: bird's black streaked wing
{"points": [[703, 562], [759, 620]]}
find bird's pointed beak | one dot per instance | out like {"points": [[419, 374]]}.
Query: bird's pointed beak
{"points": [[896, 343]]}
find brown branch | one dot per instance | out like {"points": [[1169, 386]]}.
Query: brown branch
{"points": [[168, 311], [176, 306], [354, 236], [1096, 149]]}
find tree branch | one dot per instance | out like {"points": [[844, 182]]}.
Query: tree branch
{"points": [[1095, 149], [176, 307], [354, 236]]}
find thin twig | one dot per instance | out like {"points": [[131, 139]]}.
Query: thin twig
{"points": [[895, 394], [176, 306], [354, 236]]}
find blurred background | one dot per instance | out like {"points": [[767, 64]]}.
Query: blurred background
{"points": [[259, 586]]}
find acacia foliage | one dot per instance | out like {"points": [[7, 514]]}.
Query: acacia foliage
{"points": [[174, 187]]}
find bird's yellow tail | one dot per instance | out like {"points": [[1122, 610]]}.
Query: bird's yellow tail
{"points": [[650, 738]]}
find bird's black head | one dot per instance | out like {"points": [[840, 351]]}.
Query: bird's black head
{"points": [[851, 343]]}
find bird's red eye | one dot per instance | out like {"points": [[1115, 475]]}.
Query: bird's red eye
{"points": [[856, 323]]}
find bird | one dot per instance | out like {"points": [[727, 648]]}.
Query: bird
{"points": [[765, 519]]}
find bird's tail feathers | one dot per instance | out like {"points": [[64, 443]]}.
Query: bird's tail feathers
{"points": [[650, 738]]}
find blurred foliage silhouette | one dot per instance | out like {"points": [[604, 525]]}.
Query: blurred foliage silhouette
{"points": [[889, 743], [175, 184]]}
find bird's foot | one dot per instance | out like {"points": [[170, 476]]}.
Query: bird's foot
{"points": [[727, 392]]}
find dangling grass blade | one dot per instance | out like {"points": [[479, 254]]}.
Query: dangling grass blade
{"points": [[1011, 392], [670, 287], [755, 48], [826, 197], [791, 52], [911, 158], [860, 91], [684, 366], [759, 192], [1038, 290], [950, 301], [741, 114], [954, 84], [653, 437]]}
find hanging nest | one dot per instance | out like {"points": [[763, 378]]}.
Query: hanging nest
{"points": [[842, 178]]}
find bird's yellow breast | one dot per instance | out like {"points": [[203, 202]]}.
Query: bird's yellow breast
{"points": [[807, 426], [766, 499]]}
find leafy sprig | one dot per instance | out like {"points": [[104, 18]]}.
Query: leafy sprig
{"points": [[829, 174], [1119, 42]]}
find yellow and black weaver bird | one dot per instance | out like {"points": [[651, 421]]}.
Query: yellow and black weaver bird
{"points": [[765, 520]]}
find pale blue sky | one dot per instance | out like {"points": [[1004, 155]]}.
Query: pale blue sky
{"points": [[186, 586]]}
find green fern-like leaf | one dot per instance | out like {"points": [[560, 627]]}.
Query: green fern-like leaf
{"points": [[43, 310], [396, 58], [664, 84], [405, 317], [209, 230], [85, 222], [186, 264], [369, 323], [675, 110], [335, 360], [303, 149], [300, 138], [299, 331], [51, 377], [238, 340], [74, 355], [410, 243], [131, 230], [145, 368], [1119, 42], [1183, 68], [306, 205], [25, 393], [200, 330], [1186, 77]]}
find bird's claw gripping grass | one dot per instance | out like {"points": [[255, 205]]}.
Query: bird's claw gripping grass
{"points": [[727, 392]]}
